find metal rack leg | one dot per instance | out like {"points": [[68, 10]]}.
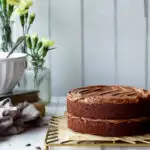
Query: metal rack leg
{"points": [[46, 148]]}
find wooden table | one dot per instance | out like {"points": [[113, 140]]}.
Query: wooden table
{"points": [[36, 137]]}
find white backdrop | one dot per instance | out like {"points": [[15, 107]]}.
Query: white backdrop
{"points": [[99, 42]]}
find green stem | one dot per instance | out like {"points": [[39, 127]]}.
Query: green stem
{"points": [[5, 31], [6, 37], [28, 28], [35, 76], [24, 43], [29, 55]]}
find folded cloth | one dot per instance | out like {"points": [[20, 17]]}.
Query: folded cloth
{"points": [[16, 119]]}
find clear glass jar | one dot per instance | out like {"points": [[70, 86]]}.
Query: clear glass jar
{"points": [[5, 36], [38, 78]]}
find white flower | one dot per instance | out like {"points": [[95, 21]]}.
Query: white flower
{"points": [[26, 3], [48, 43], [23, 7], [13, 2]]}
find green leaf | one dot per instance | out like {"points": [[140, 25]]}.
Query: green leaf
{"points": [[34, 41], [31, 18], [22, 20], [10, 10], [28, 42], [39, 45], [18, 42], [52, 48]]}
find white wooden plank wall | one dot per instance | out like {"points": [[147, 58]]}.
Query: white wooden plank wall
{"points": [[65, 23], [99, 42], [131, 42], [148, 39], [99, 52]]}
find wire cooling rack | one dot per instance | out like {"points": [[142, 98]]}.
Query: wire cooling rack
{"points": [[52, 138]]}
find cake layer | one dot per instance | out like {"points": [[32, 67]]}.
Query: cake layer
{"points": [[113, 128], [108, 102], [109, 111]]}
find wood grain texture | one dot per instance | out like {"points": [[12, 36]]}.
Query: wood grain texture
{"points": [[99, 53], [66, 60], [148, 40], [146, 16], [131, 43]]}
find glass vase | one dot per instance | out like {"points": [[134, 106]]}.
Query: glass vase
{"points": [[38, 78], [5, 36]]}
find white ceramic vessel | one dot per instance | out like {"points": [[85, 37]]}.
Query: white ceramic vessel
{"points": [[11, 71]]}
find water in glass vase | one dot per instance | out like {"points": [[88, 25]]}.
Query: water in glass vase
{"points": [[38, 78]]}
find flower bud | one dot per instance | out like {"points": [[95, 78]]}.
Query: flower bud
{"points": [[39, 45], [48, 43], [51, 43], [31, 18], [10, 10], [29, 3], [45, 50], [26, 15], [45, 42], [28, 42], [13, 2], [34, 40], [22, 20], [26, 7]]}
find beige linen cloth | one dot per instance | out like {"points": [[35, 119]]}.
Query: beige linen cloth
{"points": [[16, 119]]}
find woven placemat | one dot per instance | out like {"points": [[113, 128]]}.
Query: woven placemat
{"points": [[58, 134]]}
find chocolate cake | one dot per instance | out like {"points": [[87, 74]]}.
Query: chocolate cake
{"points": [[109, 110]]}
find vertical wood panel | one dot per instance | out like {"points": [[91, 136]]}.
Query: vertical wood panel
{"points": [[41, 24], [99, 42], [66, 30], [131, 42], [146, 42], [116, 39], [148, 38]]}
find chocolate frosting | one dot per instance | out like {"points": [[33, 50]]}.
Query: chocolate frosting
{"points": [[111, 120], [108, 94]]}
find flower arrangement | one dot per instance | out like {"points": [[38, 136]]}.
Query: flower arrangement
{"points": [[36, 48], [9, 8]]}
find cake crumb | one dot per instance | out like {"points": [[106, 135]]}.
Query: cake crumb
{"points": [[38, 148], [28, 144]]}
